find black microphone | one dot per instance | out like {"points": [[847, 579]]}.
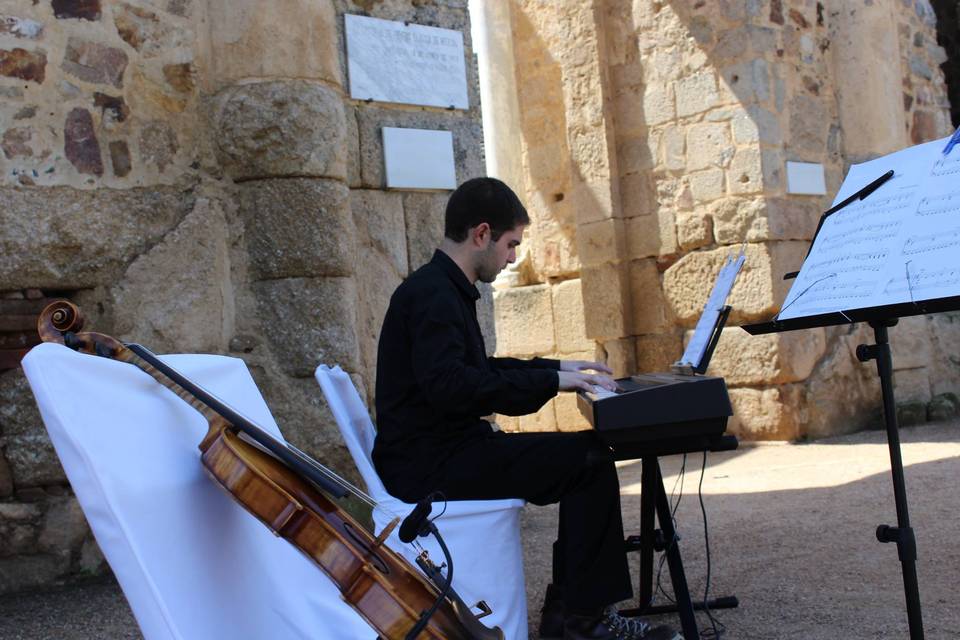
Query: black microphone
{"points": [[416, 524]]}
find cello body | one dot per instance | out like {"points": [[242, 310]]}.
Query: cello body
{"points": [[283, 492]]}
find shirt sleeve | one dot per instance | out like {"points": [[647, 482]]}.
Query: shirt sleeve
{"points": [[517, 363], [450, 383]]}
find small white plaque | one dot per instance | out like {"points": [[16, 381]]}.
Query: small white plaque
{"points": [[419, 159], [405, 63], [806, 178]]}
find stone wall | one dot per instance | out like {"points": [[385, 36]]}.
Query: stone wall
{"points": [[195, 176], [679, 117]]}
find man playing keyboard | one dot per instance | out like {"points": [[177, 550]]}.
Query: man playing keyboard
{"points": [[434, 385]]}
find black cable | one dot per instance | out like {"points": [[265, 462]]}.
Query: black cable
{"points": [[717, 628], [673, 513]]}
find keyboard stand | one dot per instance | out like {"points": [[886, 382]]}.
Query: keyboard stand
{"points": [[655, 505]]}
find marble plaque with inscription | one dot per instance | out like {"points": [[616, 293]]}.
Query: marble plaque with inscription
{"points": [[405, 63]]}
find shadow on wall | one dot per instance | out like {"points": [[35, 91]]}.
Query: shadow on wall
{"points": [[948, 36]]}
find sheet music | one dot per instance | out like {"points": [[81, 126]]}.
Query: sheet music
{"points": [[898, 245], [711, 311]]}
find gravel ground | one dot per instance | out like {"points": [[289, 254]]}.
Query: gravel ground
{"points": [[791, 531]]}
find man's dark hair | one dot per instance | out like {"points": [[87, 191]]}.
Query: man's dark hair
{"points": [[483, 200]]}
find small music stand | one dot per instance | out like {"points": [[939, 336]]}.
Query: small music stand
{"points": [[654, 505]]}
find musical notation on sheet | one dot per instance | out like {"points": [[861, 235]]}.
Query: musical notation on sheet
{"points": [[935, 205], [932, 242], [865, 261], [947, 165], [924, 279], [899, 244]]}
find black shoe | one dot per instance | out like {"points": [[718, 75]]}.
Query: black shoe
{"points": [[552, 614], [612, 626], [637, 628]]}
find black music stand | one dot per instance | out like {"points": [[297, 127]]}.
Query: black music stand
{"points": [[880, 318], [655, 509], [919, 196]]}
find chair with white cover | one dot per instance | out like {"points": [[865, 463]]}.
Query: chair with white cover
{"points": [[192, 563], [483, 535]]}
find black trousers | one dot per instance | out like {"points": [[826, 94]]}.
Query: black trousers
{"points": [[574, 469]]}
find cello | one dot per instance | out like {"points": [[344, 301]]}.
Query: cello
{"points": [[294, 496]]}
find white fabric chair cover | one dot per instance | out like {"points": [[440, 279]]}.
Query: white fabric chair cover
{"points": [[483, 535], [192, 563]]}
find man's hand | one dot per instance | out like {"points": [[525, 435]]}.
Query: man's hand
{"points": [[576, 380], [584, 365]]}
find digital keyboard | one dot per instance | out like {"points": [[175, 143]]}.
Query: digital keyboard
{"points": [[655, 407]]}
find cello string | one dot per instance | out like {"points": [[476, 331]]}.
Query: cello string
{"points": [[144, 364], [294, 450]]}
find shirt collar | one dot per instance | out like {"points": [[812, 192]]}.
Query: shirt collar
{"points": [[455, 273]]}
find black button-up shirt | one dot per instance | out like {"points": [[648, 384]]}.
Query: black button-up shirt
{"points": [[434, 379]]}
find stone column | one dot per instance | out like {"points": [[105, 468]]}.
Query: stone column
{"points": [[869, 95], [274, 90]]}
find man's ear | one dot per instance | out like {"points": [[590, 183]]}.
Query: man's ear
{"points": [[480, 233]]}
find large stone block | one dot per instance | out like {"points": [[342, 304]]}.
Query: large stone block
{"points": [[745, 175], [696, 93], [652, 235], [638, 195], [524, 320], [378, 217], [377, 277], [673, 149], [554, 250], [649, 310], [6, 477], [757, 294], [657, 351], [18, 410], [568, 413], [809, 125], [310, 320], [910, 343], [708, 145], [467, 140], [766, 414], [755, 219], [944, 361], [293, 40], [304, 418], [423, 214], [843, 393], [486, 317], [694, 229], [600, 241], [619, 355], [33, 461], [912, 386], [298, 227], [178, 296], [777, 358], [707, 185], [62, 238], [21, 572], [64, 526], [756, 125], [606, 293], [280, 128], [658, 105], [543, 420], [568, 317]]}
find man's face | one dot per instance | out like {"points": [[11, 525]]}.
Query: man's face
{"points": [[497, 255]]}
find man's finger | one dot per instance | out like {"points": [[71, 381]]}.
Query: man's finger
{"points": [[596, 366]]}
